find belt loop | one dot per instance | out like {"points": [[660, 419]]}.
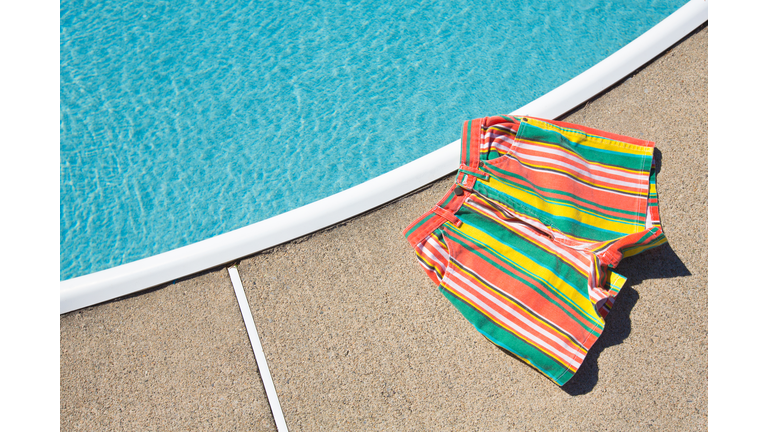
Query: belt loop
{"points": [[472, 172], [472, 134], [469, 176], [445, 214]]}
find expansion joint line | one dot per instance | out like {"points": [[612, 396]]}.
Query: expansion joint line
{"points": [[261, 360]]}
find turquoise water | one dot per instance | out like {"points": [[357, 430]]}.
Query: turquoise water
{"points": [[183, 121]]}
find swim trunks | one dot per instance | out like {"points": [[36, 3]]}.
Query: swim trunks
{"points": [[524, 242]]}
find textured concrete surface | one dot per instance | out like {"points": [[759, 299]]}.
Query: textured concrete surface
{"points": [[358, 338], [175, 358]]}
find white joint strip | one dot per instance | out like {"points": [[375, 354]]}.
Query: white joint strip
{"points": [[261, 359]]}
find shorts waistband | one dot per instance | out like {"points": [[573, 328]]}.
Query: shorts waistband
{"points": [[595, 132], [470, 162]]}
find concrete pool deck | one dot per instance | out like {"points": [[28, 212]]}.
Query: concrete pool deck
{"points": [[358, 338]]}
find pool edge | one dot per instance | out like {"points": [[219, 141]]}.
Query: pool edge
{"points": [[125, 279]]}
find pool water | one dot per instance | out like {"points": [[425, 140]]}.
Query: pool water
{"points": [[181, 121]]}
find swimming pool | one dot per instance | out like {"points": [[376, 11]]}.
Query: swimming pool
{"points": [[182, 122]]}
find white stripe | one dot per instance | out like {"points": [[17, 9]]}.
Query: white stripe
{"points": [[521, 330], [498, 137], [521, 317], [648, 216], [440, 263], [436, 244], [501, 148], [597, 294]]}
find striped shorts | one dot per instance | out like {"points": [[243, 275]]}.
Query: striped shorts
{"points": [[524, 242]]}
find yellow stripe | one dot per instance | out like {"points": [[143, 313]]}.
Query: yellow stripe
{"points": [[439, 240], [637, 249], [565, 210], [616, 281], [430, 264], [600, 143], [569, 294]]}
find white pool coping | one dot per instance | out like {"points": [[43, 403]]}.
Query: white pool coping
{"points": [[98, 287]]}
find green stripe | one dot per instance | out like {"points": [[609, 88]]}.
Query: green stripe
{"points": [[651, 232], [642, 248], [467, 142], [450, 197], [415, 227], [489, 155], [564, 203], [652, 175]]}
